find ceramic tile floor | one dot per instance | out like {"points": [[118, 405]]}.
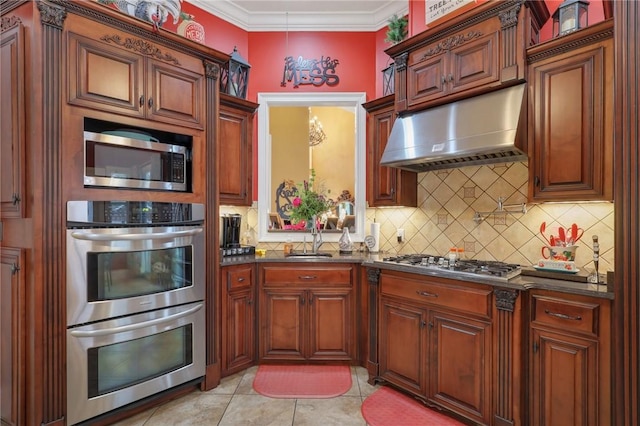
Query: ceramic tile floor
{"points": [[235, 403]]}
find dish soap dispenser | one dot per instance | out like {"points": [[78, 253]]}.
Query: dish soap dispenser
{"points": [[345, 243]]}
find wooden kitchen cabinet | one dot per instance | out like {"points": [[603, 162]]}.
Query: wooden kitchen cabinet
{"points": [[238, 317], [386, 186], [475, 52], [570, 359], [571, 111], [12, 336], [307, 313], [113, 71], [448, 362], [235, 149], [468, 61], [12, 131]]}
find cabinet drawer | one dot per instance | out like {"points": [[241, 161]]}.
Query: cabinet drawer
{"points": [[565, 314], [469, 299], [279, 275], [239, 278]]}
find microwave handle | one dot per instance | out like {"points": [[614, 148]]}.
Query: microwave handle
{"points": [[90, 236], [130, 327]]}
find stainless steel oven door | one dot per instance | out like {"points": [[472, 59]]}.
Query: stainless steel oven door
{"points": [[113, 272], [113, 363]]}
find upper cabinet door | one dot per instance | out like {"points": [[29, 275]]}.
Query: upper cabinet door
{"points": [[105, 77], [386, 186], [12, 130], [571, 106], [110, 74], [235, 150]]}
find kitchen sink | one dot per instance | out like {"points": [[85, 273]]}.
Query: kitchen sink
{"points": [[309, 254]]}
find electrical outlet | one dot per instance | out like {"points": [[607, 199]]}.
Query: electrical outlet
{"points": [[400, 235]]}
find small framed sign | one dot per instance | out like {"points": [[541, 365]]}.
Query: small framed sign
{"points": [[435, 10]]}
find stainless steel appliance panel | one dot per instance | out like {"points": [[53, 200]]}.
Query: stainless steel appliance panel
{"points": [[115, 362], [120, 162], [113, 272]]}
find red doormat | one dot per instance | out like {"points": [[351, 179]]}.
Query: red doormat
{"points": [[302, 381], [388, 407]]}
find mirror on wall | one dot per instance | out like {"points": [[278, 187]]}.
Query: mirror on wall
{"points": [[298, 132]]}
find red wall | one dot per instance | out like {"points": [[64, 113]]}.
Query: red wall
{"points": [[355, 52]]}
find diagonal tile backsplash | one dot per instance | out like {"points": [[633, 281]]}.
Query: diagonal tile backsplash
{"points": [[444, 218]]}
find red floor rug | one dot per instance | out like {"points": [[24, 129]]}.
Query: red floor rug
{"points": [[302, 381], [388, 407]]}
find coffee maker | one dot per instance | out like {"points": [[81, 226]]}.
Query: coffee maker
{"points": [[230, 229]]}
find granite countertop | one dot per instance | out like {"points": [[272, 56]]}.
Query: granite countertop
{"points": [[521, 282]]}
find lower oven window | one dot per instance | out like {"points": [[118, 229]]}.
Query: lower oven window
{"points": [[118, 275], [121, 365]]}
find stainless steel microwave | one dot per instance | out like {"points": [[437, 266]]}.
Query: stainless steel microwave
{"points": [[131, 162]]}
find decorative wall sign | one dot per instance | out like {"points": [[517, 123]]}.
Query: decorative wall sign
{"points": [[437, 9], [310, 71]]}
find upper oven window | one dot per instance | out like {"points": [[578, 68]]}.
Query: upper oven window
{"points": [[118, 275]]}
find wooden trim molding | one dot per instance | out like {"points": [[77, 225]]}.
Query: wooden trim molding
{"points": [[626, 328], [48, 378], [213, 293]]}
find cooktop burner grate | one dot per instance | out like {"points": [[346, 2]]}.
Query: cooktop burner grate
{"points": [[492, 268]]}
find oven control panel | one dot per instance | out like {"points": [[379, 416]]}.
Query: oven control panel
{"points": [[131, 213]]}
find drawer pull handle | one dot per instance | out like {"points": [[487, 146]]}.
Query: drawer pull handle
{"points": [[240, 279], [307, 277], [563, 316], [426, 294]]}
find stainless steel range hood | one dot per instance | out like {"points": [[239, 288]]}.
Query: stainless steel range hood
{"points": [[485, 129]]}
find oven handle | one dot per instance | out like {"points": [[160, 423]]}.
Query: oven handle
{"points": [[130, 327], [90, 236]]}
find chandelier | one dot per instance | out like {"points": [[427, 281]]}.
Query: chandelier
{"points": [[316, 134]]}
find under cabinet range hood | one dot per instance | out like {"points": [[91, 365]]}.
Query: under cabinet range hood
{"points": [[485, 129]]}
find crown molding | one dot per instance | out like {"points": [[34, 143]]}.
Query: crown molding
{"points": [[303, 21]]}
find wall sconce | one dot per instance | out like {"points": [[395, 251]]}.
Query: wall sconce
{"points": [[388, 79], [235, 76], [316, 134], [570, 16]]}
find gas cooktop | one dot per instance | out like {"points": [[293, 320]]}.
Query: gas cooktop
{"points": [[462, 267]]}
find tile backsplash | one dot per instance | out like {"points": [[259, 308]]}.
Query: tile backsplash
{"points": [[448, 201]]}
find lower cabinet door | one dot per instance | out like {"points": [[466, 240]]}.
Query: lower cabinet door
{"points": [[239, 343], [460, 370], [402, 347], [330, 324], [565, 379], [282, 324]]}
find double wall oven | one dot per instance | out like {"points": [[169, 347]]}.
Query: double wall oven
{"points": [[135, 302]]}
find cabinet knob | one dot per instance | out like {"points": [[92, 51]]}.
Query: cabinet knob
{"points": [[423, 324], [14, 268], [302, 301], [450, 78], [443, 79], [249, 302], [141, 101], [536, 181], [150, 103], [15, 198]]}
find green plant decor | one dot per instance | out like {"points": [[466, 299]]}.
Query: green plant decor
{"points": [[397, 29]]}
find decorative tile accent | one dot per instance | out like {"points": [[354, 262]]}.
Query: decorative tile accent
{"points": [[442, 218], [470, 192]]}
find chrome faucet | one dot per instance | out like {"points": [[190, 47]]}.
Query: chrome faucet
{"points": [[317, 239]]}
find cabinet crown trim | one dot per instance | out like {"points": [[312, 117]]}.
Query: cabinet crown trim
{"points": [[141, 46], [451, 43]]}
